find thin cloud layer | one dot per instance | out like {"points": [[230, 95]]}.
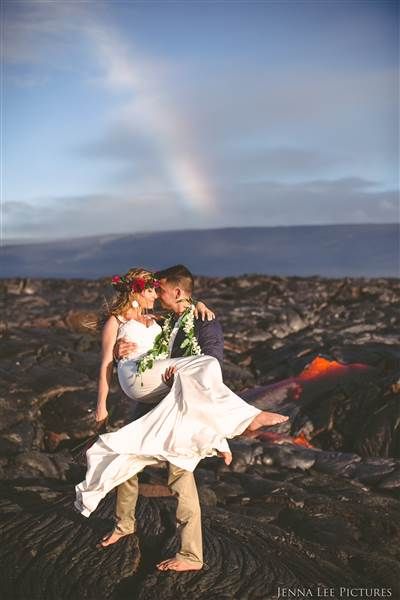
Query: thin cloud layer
{"points": [[256, 204]]}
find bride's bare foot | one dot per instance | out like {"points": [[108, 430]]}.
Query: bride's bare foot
{"points": [[227, 456], [174, 564], [111, 538], [266, 418]]}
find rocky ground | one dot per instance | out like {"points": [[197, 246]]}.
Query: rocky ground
{"points": [[315, 502]]}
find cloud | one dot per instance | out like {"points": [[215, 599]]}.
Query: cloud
{"points": [[120, 68], [38, 33], [351, 200], [77, 216], [244, 124], [263, 204], [246, 127]]}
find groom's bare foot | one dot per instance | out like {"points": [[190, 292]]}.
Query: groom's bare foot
{"points": [[111, 538], [266, 418], [174, 564], [227, 456]]}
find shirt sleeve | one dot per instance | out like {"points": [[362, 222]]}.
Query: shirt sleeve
{"points": [[211, 338]]}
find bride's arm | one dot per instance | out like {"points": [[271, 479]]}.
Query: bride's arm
{"points": [[108, 338], [202, 311]]}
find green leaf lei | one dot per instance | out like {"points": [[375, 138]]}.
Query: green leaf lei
{"points": [[160, 349]]}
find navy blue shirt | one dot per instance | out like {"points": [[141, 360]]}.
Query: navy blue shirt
{"points": [[209, 335]]}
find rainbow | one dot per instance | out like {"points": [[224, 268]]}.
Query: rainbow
{"points": [[160, 121]]}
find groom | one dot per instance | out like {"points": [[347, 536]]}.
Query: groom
{"points": [[175, 291]]}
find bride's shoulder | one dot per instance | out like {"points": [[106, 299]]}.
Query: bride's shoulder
{"points": [[115, 322], [110, 326], [118, 319]]}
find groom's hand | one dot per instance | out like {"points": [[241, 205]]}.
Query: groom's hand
{"points": [[168, 377], [122, 348]]}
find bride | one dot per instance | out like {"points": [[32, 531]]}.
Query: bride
{"points": [[195, 412]]}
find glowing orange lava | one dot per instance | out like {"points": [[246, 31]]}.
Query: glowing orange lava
{"points": [[318, 369], [320, 366], [301, 440]]}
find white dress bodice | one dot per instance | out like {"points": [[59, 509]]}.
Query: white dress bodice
{"points": [[141, 334]]}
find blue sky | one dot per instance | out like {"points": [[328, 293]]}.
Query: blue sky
{"points": [[127, 116]]}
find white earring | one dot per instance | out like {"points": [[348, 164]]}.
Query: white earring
{"points": [[135, 304]]}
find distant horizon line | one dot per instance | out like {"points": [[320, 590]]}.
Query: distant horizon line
{"points": [[34, 241]]}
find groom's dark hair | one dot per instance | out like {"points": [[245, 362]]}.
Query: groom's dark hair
{"points": [[178, 275]]}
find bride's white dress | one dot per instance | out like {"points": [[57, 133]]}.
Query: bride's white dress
{"points": [[191, 422]]}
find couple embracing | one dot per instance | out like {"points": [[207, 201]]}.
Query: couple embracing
{"points": [[172, 368]]}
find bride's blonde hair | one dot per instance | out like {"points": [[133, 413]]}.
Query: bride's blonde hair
{"points": [[123, 298], [125, 295]]}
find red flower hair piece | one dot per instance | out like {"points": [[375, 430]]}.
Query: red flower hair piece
{"points": [[138, 284]]}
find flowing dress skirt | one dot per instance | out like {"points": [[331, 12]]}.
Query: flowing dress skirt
{"points": [[191, 422]]}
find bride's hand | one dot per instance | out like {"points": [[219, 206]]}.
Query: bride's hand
{"points": [[101, 414], [168, 377], [201, 310]]}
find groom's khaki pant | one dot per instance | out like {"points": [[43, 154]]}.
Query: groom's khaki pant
{"points": [[188, 513]]}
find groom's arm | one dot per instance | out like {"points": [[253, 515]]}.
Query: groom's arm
{"points": [[211, 338]]}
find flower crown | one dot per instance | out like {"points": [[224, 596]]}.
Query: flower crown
{"points": [[138, 284]]}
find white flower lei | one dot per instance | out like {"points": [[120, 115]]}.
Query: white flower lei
{"points": [[160, 349]]}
